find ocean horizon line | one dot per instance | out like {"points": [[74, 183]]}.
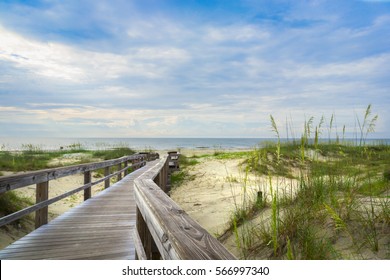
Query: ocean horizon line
{"points": [[156, 143]]}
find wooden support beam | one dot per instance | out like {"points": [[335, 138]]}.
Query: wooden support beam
{"points": [[139, 247], [120, 173], [87, 180], [106, 173], [12, 182], [42, 194], [126, 164], [176, 235]]}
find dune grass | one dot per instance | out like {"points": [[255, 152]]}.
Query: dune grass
{"points": [[340, 206], [10, 203], [32, 157], [178, 177]]}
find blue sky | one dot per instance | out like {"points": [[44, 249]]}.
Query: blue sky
{"points": [[177, 68]]}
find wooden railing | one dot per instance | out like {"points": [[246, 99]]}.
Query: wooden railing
{"points": [[41, 180], [164, 230]]}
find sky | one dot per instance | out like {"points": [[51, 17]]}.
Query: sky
{"points": [[206, 68]]}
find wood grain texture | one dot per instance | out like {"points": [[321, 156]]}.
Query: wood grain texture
{"points": [[139, 249], [12, 182], [45, 203], [41, 194], [175, 233], [99, 228], [103, 226]]}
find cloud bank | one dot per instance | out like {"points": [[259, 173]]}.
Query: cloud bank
{"points": [[190, 69]]}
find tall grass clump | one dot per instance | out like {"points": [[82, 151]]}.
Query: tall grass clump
{"points": [[178, 177], [275, 129], [340, 205], [11, 202], [33, 157], [113, 153], [367, 125]]}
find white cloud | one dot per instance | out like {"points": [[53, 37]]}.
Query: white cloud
{"points": [[46, 59], [59, 61], [361, 68], [236, 33], [153, 74]]}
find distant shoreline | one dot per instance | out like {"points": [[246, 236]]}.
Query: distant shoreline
{"points": [[141, 144]]}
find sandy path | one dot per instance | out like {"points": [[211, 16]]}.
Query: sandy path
{"points": [[217, 188], [209, 198]]}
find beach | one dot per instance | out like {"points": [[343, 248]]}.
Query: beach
{"points": [[218, 186], [192, 197]]}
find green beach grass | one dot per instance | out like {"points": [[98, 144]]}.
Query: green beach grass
{"points": [[338, 202], [31, 158]]}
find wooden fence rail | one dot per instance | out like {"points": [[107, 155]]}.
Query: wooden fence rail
{"points": [[162, 229], [41, 179], [165, 231]]}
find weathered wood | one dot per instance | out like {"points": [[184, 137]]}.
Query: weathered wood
{"points": [[165, 174], [139, 248], [99, 228], [106, 174], [120, 173], [13, 182], [126, 164], [144, 234], [41, 194], [17, 215], [176, 234], [173, 161], [87, 180]]}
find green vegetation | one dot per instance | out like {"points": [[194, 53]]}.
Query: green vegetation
{"points": [[223, 155], [231, 155], [10, 203], [339, 206], [113, 153], [182, 175], [34, 158]]}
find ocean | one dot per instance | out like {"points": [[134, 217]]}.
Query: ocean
{"points": [[12, 144]]}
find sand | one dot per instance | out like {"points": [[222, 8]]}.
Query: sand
{"points": [[210, 198], [218, 187], [9, 234]]}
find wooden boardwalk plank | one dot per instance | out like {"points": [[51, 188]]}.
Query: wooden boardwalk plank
{"points": [[99, 228]]}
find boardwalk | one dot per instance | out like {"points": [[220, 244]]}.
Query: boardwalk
{"points": [[99, 228]]}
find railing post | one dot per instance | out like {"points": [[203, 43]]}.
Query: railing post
{"points": [[135, 163], [150, 247], [161, 179], [144, 234], [106, 173], [87, 180], [41, 194], [120, 173], [126, 163], [165, 171]]}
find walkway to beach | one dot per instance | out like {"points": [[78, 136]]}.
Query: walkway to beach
{"points": [[99, 228], [132, 219]]}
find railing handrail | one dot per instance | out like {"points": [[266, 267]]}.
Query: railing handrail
{"points": [[162, 222], [42, 177], [12, 182]]}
